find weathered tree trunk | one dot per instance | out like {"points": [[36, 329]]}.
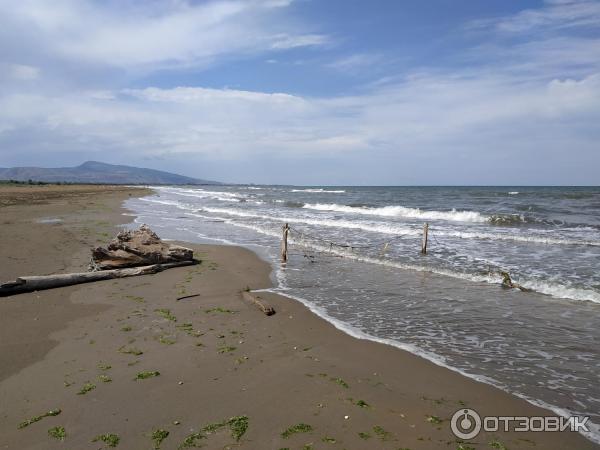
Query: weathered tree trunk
{"points": [[38, 283]]}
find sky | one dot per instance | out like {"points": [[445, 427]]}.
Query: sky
{"points": [[307, 92]]}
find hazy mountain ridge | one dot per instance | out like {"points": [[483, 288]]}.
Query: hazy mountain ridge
{"points": [[98, 172]]}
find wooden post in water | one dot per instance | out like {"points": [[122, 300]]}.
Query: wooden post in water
{"points": [[424, 243], [284, 243]]}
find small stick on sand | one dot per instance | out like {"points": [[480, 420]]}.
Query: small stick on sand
{"points": [[187, 296]]}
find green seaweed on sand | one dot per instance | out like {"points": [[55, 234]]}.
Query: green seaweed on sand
{"points": [[295, 429], [227, 349], [364, 435], [238, 426], [126, 328], [434, 420], [166, 313], [188, 326], [51, 413], [381, 433], [147, 374], [464, 447], [158, 436], [192, 440], [165, 340], [362, 404], [103, 366], [58, 433], [110, 439], [189, 329], [329, 440], [87, 387], [340, 382], [135, 298], [104, 378], [218, 309], [130, 351], [495, 443]]}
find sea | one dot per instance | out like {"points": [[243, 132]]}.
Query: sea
{"points": [[355, 259]]}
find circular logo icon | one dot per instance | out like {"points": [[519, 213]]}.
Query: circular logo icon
{"points": [[465, 423]]}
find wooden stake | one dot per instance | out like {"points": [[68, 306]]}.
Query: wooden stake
{"points": [[284, 243], [424, 243]]}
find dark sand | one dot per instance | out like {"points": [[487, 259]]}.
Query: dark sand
{"points": [[278, 371]]}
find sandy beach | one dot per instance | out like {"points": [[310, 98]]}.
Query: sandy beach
{"points": [[128, 364]]}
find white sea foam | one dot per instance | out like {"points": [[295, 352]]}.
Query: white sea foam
{"points": [[532, 238], [401, 211], [384, 228], [319, 191], [399, 230], [513, 193], [375, 228]]}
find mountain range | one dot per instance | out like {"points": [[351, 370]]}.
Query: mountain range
{"points": [[97, 173]]}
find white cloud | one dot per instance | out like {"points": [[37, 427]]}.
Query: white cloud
{"points": [[357, 62], [554, 15], [22, 72], [151, 35], [284, 42], [423, 112], [204, 95]]}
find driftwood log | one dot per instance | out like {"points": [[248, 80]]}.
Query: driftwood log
{"points": [[259, 302], [38, 283], [139, 247], [507, 282]]}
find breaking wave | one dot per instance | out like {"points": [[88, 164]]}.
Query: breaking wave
{"points": [[319, 191], [401, 211]]}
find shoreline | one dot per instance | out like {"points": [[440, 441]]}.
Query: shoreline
{"points": [[403, 391]]}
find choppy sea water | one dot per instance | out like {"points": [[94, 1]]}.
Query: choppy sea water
{"points": [[355, 259]]}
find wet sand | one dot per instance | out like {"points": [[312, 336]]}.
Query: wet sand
{"points": [[217, 356]]}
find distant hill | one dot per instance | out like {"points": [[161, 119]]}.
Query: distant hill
{"points": [[99, 173]]}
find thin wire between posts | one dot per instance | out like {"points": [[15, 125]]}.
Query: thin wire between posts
{"points": [[382, 245]]}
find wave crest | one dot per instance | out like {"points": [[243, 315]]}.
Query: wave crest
{"points": [[401, 211]]}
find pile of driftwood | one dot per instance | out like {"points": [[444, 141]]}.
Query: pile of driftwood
{"points": [[137, 248], [131, 253]]}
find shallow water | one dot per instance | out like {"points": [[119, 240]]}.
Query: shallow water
{"points": [[447, 306]]}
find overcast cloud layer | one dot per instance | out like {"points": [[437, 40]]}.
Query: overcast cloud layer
{"points": [[276, 91]]}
